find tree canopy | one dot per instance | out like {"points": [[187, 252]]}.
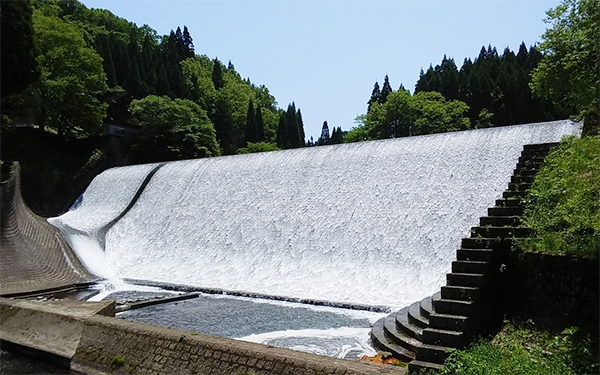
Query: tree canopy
{"points": [[569, 70], [172, 129]]}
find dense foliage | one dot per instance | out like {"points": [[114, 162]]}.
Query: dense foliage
{"points": [[563, 204], [525, 350], [403, 115], [172, 129], [493, 85], [93, 67], [569, 70]]}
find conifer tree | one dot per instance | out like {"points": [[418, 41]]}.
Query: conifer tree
{"points": [[324, 138], [301, 128], [19, 65], [374, 96], [385, 90], [260, 125], [281, 137], [188, 43], [291, 120], [251, 131], [217, 74]]}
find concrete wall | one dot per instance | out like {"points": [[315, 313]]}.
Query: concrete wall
{"points": [[99, 345], [34, 255], [555, 291]]}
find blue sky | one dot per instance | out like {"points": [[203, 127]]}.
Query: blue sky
{"points": [[326, 55]]}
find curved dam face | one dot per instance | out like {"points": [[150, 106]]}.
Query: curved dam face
{"points": [[374, 223]]}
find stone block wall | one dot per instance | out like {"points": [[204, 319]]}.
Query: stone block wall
{"points": [[554, 291]]}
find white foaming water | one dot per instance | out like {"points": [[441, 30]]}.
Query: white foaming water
{"points": [[357, 340], [374, 223], [107, 196]]}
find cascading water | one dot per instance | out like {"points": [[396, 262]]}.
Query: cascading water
{"points": [[374, 223]]}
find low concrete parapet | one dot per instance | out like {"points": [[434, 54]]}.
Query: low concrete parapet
{"points": [[97, 344]]}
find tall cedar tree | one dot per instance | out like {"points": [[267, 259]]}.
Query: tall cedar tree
{"points": [[291, 119], [260, 125], [324, 138], [281, 137], [19, 66], [301, 128], [374, 95], [385, 90], [217, 74], [251, 130]]}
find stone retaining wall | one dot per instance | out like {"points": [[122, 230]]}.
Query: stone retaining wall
{"points": [[554, 291]]}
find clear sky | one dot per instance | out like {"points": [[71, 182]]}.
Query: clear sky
{"points": [[326, 55]]}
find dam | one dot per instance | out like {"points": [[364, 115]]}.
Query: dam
{"points": [[373, 223], [371, 226]]}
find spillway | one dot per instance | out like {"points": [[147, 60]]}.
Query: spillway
{"points": [[373, 223]]}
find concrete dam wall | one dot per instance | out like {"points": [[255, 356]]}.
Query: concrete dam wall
{"points": [[372, 223]]}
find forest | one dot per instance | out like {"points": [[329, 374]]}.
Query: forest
{"points": [[74, 71]]}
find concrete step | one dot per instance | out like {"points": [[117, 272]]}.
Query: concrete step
{"points": [[425, 307], [525, 172], [476, 280], [500, 221], [449, 322], [415, 317], [403, 324], [486, 243], [512, 193], [382, 342], [402, 346], [522, 179], [540, 146], [419, 367], [453, 307], [442, 337], [505, 211], [513, 202], [476, 255], [460, 292], [533, 164], [501, 232], [519, 187], [470, 266]]}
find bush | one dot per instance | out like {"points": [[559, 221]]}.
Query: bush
{"points": [[521, 349], [563, 204]]}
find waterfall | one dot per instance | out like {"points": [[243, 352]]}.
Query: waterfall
{"points": [[375, 223]]}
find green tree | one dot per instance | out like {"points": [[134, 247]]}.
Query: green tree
{"points": [[568, 72], [72, 78], [374, 96], [260, 125], [324, 138], [217, 75], [172, 129], [251, 129], [386, 90]]}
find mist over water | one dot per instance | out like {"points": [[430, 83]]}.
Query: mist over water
{"points": [[374, 223]]}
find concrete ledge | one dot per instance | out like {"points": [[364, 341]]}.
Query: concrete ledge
{"points": [[53, 327], [99, 344]]}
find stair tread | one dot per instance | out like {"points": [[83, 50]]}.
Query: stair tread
{"points": [[449, 316], [415, 313], [401, 318], [381, 341], [423, 364], [472, 261], [457, 301], [445, 331], [461, 287], [466, 274]]}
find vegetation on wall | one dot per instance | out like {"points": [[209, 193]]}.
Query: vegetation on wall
{"points": [[563, 204]]}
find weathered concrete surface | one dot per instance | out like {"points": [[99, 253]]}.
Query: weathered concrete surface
{"points": [[51, 327], [34, 257], [105, 345]]}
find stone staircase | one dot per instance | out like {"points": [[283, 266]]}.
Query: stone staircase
{"points": [[470, 304]]}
